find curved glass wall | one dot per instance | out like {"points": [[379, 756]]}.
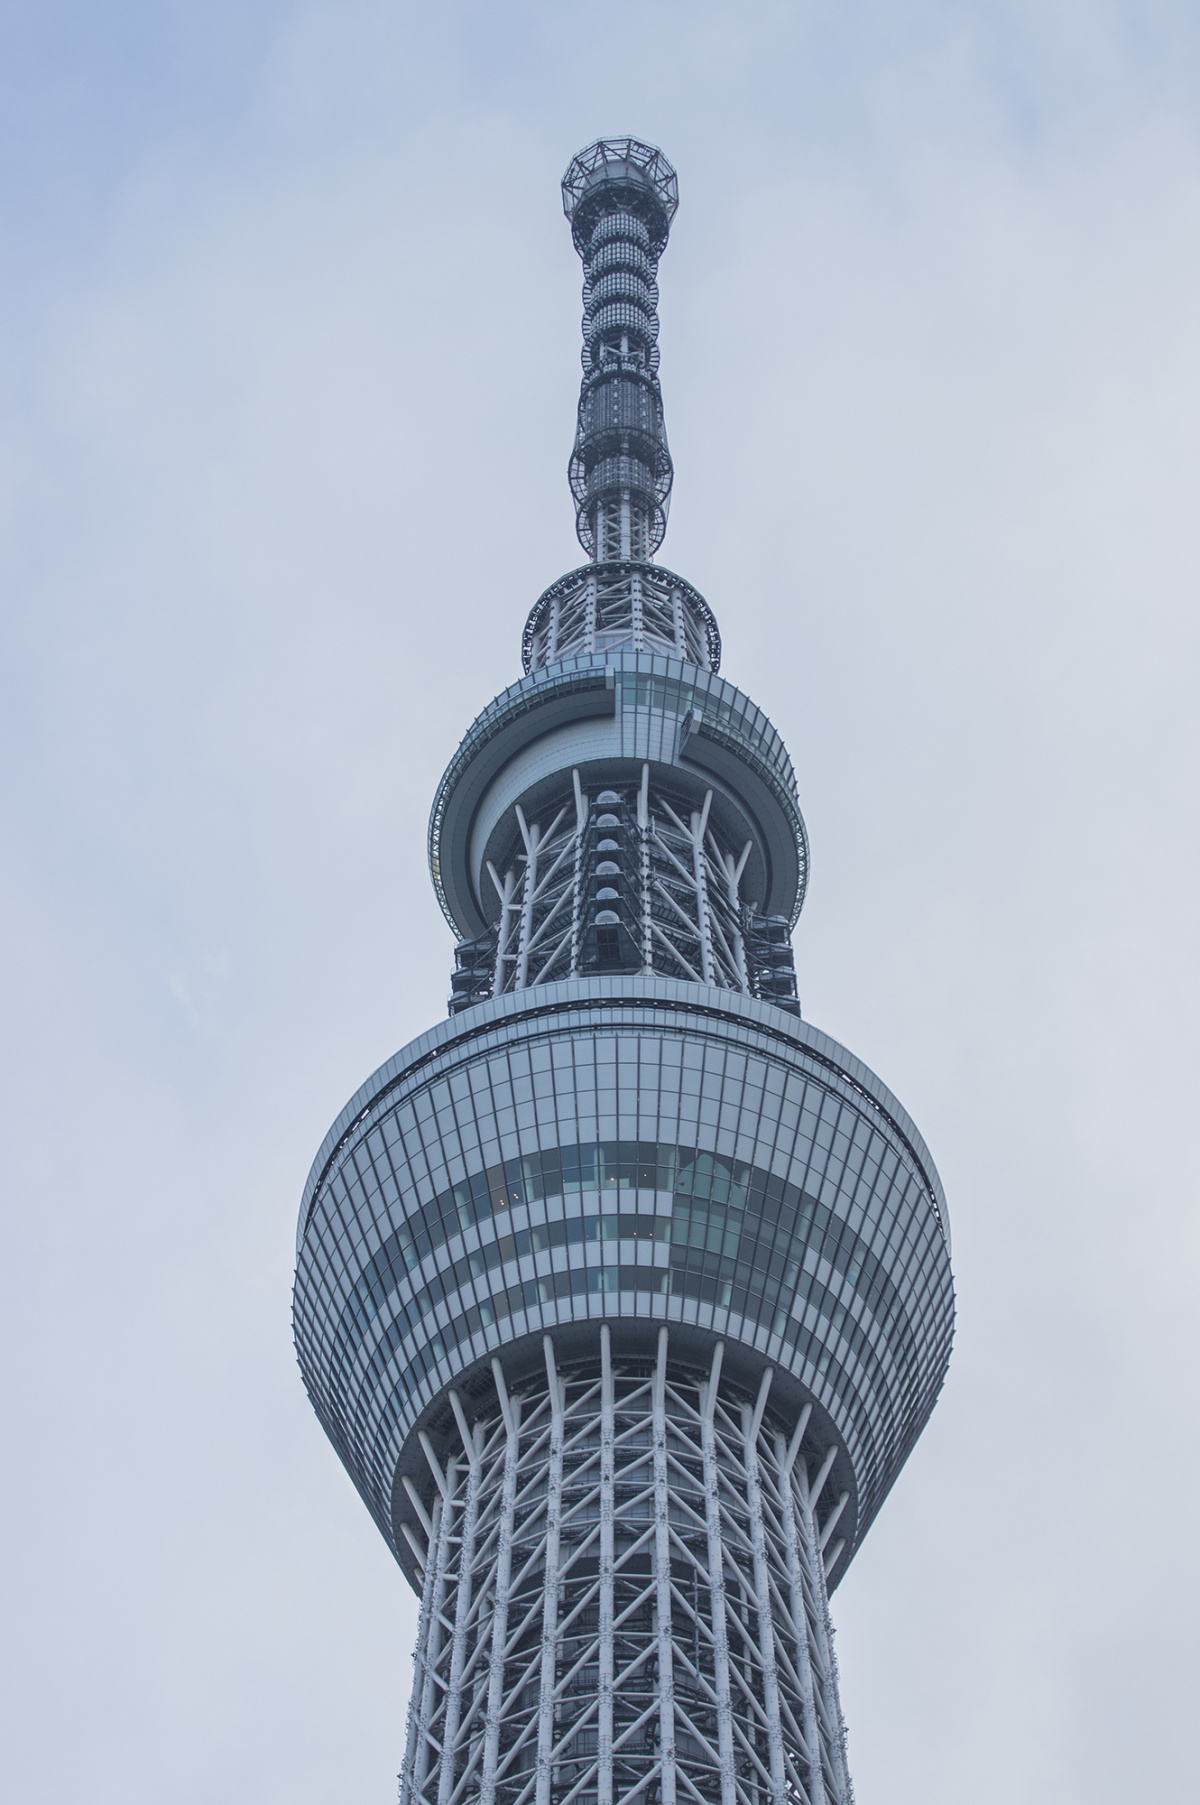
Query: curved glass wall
{"points": [[730, 1175]]}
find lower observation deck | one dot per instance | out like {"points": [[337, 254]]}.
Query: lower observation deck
{"points": [[630, 1151]]}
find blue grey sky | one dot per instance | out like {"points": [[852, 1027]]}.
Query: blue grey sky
{"points": [[288, 367]]}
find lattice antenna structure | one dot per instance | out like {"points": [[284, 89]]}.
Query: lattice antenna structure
{"points": [[623, 1293], [620, 197]]}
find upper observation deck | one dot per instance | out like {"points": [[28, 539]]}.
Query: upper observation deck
{"points": [[606, 720]]}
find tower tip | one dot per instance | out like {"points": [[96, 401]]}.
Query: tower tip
{"points": [[620, 196], [625, 173]]}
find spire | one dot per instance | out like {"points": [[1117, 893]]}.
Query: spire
{"points": [[620, 196]]}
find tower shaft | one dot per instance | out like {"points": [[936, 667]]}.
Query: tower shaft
{"points": [[620, 197], [623, 1293], [625, 1588]]}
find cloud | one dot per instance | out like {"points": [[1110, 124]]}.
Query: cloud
{"points": [[292, 315]]}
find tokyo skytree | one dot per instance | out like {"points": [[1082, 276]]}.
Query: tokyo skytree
{"points": [[623, 1293]]}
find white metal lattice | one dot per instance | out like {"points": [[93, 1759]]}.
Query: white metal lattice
{"points": [[620, 606], [614, 606], [659, 871], [624, 1598]]}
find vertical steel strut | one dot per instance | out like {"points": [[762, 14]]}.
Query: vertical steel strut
{"points": [[598, 1652]]}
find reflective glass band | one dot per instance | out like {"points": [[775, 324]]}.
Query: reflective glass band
{"points": [[607, 1168], [739, 1238]]}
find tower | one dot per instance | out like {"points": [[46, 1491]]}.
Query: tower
{"points": [[623, 1293]]}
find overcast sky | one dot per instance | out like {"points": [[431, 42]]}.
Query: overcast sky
{"points": [[288, 367]]}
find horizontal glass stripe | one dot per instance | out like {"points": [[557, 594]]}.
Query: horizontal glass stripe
{"points": [[740, 1200], [596, 1279], [720, 1282]]}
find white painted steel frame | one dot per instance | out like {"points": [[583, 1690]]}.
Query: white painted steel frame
{"points": [[614, 606], [625, 1597], [680, 899]]}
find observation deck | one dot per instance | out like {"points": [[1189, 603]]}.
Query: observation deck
{"points": [[607, 719], [637, 1152]]}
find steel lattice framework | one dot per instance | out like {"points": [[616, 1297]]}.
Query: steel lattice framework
{"points": [[607, 607], [623, 1293], [624, 1589], [648, 886], [620, 197]]}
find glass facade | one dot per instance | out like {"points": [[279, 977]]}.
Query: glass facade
{"points": [[644, 1157]]}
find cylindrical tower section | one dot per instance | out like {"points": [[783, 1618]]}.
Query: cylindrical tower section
{"points": [[620, 196], [625, 813], [623, 1306], [630, 1151], [599, 1562], [604, 608]]}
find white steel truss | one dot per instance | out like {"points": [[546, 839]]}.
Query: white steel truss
{"points": [[618, 605], [541, 898], [624, 1597], [654, 873]]}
